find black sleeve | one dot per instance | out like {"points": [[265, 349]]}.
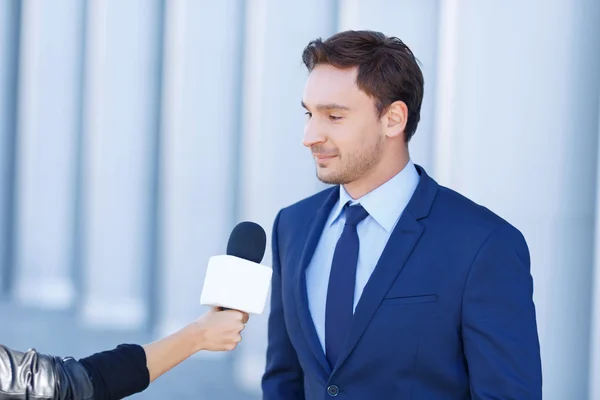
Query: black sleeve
{"points": [[118, 373]]}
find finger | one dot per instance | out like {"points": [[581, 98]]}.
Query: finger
{"points": [[241, 316], [230, 346], [245, 318]]}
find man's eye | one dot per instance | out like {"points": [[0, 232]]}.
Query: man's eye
{"points": [[308, 113], [335, 118]]}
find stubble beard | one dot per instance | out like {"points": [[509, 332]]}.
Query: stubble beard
{"points": [[353, 166]]}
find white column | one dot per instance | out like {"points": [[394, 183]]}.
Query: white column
{"points": [[48, 124], [594, 373], [121, 127], [200, 124], [416, 24], [276, 170], [9, 43], [524, 143]]}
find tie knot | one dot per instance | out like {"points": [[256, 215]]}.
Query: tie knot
{"points": [[355, 214]]}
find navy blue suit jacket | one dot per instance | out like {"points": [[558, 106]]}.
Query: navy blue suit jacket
{"points": [[447, 314]]}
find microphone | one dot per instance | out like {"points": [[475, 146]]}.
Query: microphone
{"points": [[237, 280], [248, 240]]}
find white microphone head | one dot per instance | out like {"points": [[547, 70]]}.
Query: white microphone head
{"points": [[232, 282]]}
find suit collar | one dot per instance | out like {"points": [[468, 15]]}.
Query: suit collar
{"points": [[315, 228], [422, 200]]}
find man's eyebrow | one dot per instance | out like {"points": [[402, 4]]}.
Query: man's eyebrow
{"points": [[327, 107]]}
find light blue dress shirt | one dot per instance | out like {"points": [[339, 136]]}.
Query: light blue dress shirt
{"points": [[385, 205]]}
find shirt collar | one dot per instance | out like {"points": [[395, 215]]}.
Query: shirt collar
{"points": [[386, 203]]}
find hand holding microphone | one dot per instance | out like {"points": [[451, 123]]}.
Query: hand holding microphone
{"points": [[219, 330], [235, 285]]}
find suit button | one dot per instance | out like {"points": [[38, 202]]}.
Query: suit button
{"points": [[333, 390]]}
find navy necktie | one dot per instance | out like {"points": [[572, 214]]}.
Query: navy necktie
{"points": [[340, 293]]}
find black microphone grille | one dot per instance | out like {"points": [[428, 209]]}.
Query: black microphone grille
{"points": [[248, 240]]}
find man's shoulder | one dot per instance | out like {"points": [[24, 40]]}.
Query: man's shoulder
{"points": [[466, 214]]}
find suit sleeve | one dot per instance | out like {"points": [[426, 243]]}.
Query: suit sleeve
{"points": [[499, 326], [283, 377]]}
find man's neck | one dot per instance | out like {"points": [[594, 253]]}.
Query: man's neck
{"points": [[379, 175]]}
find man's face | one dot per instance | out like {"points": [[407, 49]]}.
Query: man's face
{"points": [[343, 129]]}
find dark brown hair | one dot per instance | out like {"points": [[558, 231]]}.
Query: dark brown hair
{"points": [[387, 69]]}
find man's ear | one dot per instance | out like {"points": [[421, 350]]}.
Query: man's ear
{"points": [[395, 119]]}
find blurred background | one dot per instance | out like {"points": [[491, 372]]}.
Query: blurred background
{"points": [[134, 134]]}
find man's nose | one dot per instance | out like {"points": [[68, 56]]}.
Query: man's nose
{"points": [[312, 134]]}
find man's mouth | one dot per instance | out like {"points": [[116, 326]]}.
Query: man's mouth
{"points": [[321, 157]]}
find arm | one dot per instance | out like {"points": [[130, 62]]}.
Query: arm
{"points": [[129, 369], [283, 378], [499, 321], [215, 331], [117, 373]]}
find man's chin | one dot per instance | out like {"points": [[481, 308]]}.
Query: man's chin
{"points": [[329, 178]]}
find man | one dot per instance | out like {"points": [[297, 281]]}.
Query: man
{"points": [[117, 373], [388, 285]]}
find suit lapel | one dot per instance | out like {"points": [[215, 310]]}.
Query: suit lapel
{"points": [[400, 245], [402, 241], [315, 229]]}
